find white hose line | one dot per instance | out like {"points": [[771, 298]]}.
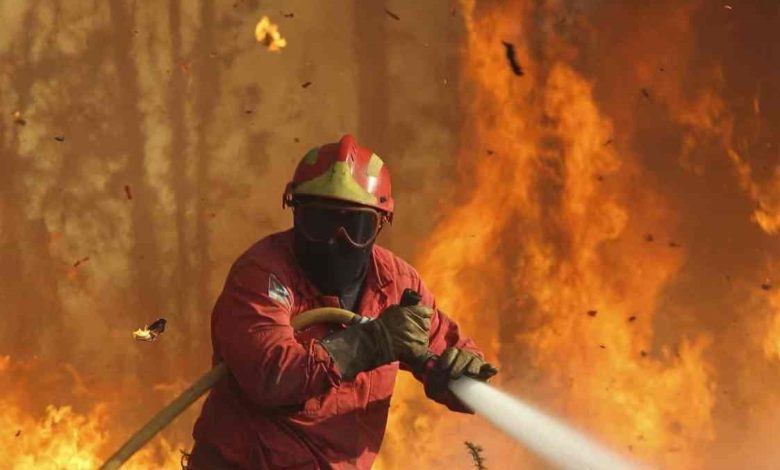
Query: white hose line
{"points": [[557, 443]]}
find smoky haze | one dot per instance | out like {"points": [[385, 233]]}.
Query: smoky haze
{"points": [[144, 146], [604, 225]]}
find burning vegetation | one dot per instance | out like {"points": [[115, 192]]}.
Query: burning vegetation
{"points": [[607, 233]]}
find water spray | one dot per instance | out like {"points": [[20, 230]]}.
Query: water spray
{"points": [[549, 438]]}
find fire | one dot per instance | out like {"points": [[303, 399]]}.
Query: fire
{"points": [[54, 437], [143, 334], [560, 254], [268, 34], [609, 235]]}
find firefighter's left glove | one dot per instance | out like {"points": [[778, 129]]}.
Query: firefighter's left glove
{"points": [[453, 364], [400, 333]]}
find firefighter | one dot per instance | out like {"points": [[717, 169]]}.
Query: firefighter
{"points": [[319, 398]]}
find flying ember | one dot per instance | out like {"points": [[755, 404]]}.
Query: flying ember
{"points": [[268, 34]]}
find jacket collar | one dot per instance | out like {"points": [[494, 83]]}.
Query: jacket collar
{"points": [[380, 268]]}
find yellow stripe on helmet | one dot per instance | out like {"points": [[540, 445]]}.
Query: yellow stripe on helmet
{"points": [[337, 182]]}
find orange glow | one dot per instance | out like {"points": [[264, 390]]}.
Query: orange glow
{"points": [[605, 226]]}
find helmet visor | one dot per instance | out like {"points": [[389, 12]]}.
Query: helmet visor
{"points": [[324, 222]]}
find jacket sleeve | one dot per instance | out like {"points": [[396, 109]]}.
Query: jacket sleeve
{"points": [[444, 333], [253, 336]]}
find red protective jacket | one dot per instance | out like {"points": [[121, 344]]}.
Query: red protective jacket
{"points": [[284, 406]]}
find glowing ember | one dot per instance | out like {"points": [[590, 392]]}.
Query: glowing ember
{"points": [[150, 332], [268, 34], [18, 119]]}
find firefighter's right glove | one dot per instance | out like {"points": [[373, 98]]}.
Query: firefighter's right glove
{"points": [[398, 334]]}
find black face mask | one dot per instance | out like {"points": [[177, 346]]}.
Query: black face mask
{"points": [[333, 267]]}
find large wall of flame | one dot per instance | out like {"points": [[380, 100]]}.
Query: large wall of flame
{"points": [[177, 101], [613, 241]]}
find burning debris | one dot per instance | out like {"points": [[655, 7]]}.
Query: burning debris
{"points": [[288, 15], [150, 332], [268, 34], [81, 261], [392, 15], [18, 119], [511, 56], [128, 192], [476, 455]]}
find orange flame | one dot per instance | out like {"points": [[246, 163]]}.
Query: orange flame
{"points": [[268, 34], [546, 263], [60, 436]]}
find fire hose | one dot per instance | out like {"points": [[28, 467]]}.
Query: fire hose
{"points": [[557, 443], [208, 380]]}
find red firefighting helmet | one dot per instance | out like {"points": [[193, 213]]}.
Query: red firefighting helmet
{"points": [[343, 171]]}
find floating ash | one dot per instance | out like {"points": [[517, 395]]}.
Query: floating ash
{"points": [[268, 34], [80, 262], [150, 332], [128, 192], [392, 15], [476, 455], [511, 56]]}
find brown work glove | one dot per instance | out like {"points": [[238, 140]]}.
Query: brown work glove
{"points": [[452, 364], [400, 333]]}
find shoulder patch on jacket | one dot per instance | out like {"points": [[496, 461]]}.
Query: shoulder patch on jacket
{"points": [[278, 292]]}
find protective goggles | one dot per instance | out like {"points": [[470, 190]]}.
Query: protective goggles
{"points": [[323, 222]]}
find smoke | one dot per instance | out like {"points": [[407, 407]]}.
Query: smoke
{"points": [[143, 147], [604, 226]]}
